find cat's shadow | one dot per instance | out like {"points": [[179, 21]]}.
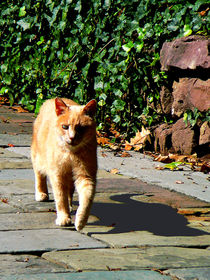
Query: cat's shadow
{"points": [[132, 215]]}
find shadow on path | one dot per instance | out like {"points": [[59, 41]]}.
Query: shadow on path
{"points": [[132, 215]]}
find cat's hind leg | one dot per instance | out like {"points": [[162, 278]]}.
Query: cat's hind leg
{"points": [[86, 191], [41, 192]]}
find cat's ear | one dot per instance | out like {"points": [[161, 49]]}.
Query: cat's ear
{"points": [[90, 108], [60, 106]]}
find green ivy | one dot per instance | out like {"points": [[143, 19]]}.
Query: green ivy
{"points": [[103, 49]]}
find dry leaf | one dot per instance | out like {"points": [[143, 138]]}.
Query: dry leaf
{"points": [[139, 141], [125, 154], [179, 182], [103, 141], [10, 145], [159, 167], [19, 109], [4, 200], [164, 159], [103, 154], [114, 171], [128, 147], [205, 167], [203, 13]]}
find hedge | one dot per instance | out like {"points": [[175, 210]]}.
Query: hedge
{"points": [[103, 49]]}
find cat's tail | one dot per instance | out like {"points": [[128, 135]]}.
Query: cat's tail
{"points": [[86, 191]]}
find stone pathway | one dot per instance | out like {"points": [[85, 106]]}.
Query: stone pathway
{"points": [[136, 230]]}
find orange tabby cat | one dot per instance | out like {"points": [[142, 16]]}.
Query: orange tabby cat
{"points": [[64, 150]]}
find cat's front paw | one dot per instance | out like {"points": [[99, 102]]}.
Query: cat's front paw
{"points": [[63, 221], [41, 196]]}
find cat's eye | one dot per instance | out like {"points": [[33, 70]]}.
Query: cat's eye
{"points": [[64, 126]]}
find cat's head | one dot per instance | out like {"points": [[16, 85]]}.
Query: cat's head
{"points": [[75, 123]]}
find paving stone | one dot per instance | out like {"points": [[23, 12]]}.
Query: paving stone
{"points": [[14, 174], [22, 221], [5, 207], [28, 264], [96, 275], [131, 258], [145, 238], [140, 166], [18, 186], [42, 240], [125, 214], [5, 153], [15, 164], [16, 140], [190, 274]]}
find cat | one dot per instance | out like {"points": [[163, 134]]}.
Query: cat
{"points": [[64, 149]]}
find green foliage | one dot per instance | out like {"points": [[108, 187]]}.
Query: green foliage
{"points": [[103, 49], [192, 117]]}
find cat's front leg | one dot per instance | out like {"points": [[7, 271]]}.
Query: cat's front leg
{"points": [[41, 192], [86, 191], [60, 191]]}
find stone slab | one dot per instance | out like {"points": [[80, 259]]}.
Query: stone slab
{"points": [[17, 186], [27, 264], [15, 164], [7, 153], [23, 221], [195, 184], [6, 207], [145, 238], [14, 174], [23, 151], [96, 275], [42, 240], [190, 274], [131, 258], [125, 213], [20, 140]]}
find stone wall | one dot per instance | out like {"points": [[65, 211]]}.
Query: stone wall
{"points": [[187, 62]]}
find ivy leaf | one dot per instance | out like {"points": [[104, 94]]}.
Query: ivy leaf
{"points": [[119, 104], [127, 47], [25, 25], [22, 11], [116, 119], [187, 30]]}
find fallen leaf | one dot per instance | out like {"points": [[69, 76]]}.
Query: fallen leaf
{"points": [[3, 119], [173, 165], [203, 13], [114, 171], [103, 154], [193, 211], [19, 109], [205, 167], [4, 200], [128, 147], [10, 145], [103, 141], [159, 167], [125, 154], [164, 159]]}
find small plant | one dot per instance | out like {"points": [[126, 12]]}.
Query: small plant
{"points": [[192, 117], [108, 50]]}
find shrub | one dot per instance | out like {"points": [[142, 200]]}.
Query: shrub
{"points": [[103, 49]]}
